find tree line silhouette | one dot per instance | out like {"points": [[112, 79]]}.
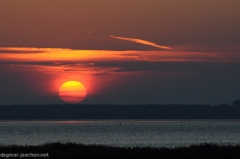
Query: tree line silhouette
{"points": [[112, 111]]}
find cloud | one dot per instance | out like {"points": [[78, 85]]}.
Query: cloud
{"points": [[24, 50], [101, 62], [142, 42], [59, 56]]}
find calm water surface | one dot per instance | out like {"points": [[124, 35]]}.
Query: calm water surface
{"points": [[153, 133]]}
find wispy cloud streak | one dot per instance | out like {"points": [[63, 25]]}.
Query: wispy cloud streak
{"points": [[58, 56], [142, 42]]}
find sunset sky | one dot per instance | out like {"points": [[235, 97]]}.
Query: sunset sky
{"points": [[122, 51]]}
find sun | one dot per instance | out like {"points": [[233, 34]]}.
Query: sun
{"points": [[72, 92]]}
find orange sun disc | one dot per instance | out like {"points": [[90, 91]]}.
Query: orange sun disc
{"points": [[72, 92]]}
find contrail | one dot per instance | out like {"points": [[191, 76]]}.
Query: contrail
{"points": [[142, 42]]}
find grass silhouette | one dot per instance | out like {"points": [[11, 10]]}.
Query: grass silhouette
{"points": [[74, 150]]}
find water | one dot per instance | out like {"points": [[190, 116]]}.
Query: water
{"points": [[131, 133]]}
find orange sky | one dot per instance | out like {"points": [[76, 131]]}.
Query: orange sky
{"points": [[46, 69], [57, 55], [126, 51], [88, 25]]}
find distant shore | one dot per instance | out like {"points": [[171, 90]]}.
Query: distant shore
{"points": [[111, 111], [73, 150]]}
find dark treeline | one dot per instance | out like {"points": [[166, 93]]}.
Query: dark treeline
{"points": [[110, 111]]}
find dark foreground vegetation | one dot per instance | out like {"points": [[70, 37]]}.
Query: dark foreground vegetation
{"points": [[72, 151], [111, 111]]}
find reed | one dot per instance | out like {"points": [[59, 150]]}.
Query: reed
{"points": [[74, 150]]}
